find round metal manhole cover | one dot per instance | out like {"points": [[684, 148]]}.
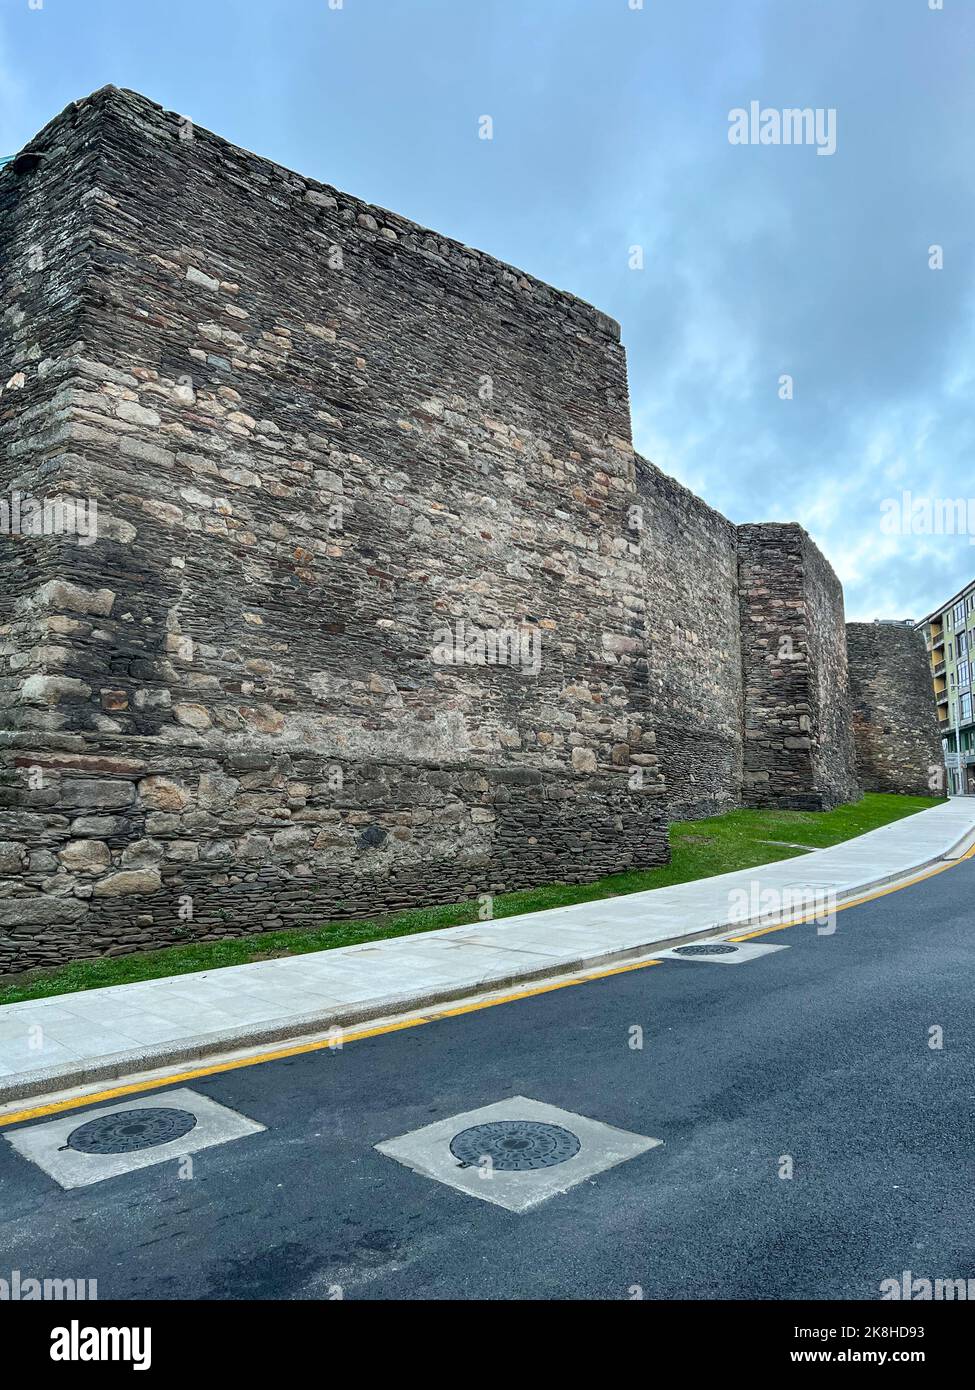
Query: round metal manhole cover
{"points": [[716, 950], [129, 1130], [515, 1146]]}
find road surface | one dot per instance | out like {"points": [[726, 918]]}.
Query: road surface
{"points": [[816, 1059]]}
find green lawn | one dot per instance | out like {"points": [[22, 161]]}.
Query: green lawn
{"points": [[699, 850]]}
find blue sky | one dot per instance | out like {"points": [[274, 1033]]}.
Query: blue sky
{"points": [[611, 131]]}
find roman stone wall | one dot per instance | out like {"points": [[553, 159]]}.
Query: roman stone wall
{"points": [[895, 721], [383, 609], [693, 644], [334, 454], [833, 749], [798, 749]]}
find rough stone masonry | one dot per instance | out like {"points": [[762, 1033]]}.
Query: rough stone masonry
{"points": [[895, 723], [382, 608]]}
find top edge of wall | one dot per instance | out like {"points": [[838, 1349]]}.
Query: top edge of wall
{"points": [[137, 106], [649, 468]]}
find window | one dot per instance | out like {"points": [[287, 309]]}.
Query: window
{"points": [[963, 643], [959, 612], [966, 708], [963, 679]]}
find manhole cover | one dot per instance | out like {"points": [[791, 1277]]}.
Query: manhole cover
{"points": [[716, 950], [515, 1146], [129, 1130]]}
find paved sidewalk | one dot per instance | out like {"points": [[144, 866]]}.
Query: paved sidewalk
{"points": [[48, 1045]]}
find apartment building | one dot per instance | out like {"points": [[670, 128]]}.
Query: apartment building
{"points": [[949, 633]]}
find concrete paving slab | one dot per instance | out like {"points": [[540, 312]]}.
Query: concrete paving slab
{"points": [[22, 1060], [517, 1130], [64, 1153]]}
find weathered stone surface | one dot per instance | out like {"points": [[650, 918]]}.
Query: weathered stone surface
{"points": [[73, 598], [143, 854], [895, 719], [13, 857], [99, 826], [287, 840], [584, 760], [798, 749], [86, 856], [127, 883], [96, 793], [164, 794], [185, 851], [192, 716], [197, 277], [693, 730], [217, 792], [53, 690], [40, 911]]}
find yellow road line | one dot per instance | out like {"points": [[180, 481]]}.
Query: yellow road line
{"points": [[279, 1054], [215, 1069], [299, 1050]]}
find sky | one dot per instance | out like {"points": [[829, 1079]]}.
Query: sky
{"points": [[731, 267]]}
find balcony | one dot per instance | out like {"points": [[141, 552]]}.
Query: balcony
{"points": [[938, 669]]}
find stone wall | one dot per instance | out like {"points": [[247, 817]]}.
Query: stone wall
{"points": [[383, 609], [895, 721], [334, 457], [798, 749], [693, 644]]}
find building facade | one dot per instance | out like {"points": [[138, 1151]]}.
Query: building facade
{"points": [[949, 635]]}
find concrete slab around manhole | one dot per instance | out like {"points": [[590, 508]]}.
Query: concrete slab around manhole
{"points": [[47, 1144], [427, 1152], [705, 952]]}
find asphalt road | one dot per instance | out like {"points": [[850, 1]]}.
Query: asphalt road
{"points": [[819, 1052]]}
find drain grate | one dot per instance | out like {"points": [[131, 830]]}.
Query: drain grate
{"points": [[129, 1130], [715, 950], [514, 1146]]}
